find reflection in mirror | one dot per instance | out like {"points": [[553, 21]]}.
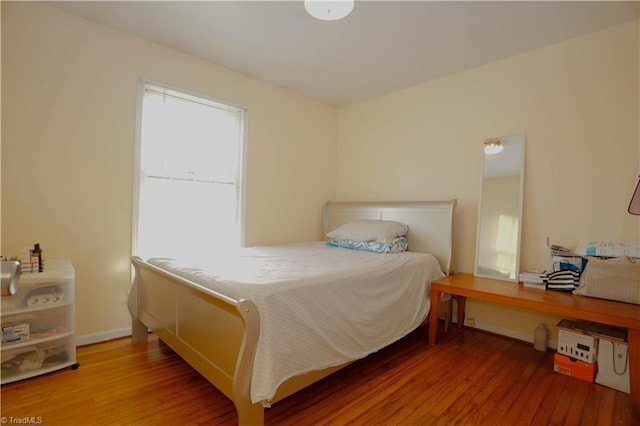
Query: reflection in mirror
{"points": [[500, 212]]}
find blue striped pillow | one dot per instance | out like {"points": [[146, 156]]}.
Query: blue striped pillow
{"points": [[398, 245]]}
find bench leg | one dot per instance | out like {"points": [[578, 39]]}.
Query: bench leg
{"points": [[433, 316], [462, 301], [448, 314]]}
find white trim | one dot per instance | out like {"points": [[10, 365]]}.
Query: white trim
{"points": [[243, 176], [103, 336], [136, 167], [142, 81], [507, 332]]}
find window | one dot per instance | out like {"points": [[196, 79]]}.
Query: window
{"points": [[189, 174]]}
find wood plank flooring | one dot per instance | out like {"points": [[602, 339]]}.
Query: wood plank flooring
{"points": [[469, 378]]}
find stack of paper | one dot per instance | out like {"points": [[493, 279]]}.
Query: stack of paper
{"points": [[533, 279]]}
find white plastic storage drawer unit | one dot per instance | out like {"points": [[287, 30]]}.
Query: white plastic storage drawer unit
{"points": [[38, 323]]}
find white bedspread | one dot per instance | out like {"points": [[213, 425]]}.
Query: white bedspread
{"points": [[319, 306]]}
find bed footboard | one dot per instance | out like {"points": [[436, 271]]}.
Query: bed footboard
{"points": [[215, 334]]}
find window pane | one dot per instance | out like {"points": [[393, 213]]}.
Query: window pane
{"points": [[190, 171], [185, 218], [189, 140]]}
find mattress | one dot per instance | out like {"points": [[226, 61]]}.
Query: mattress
{"points": [[319, 306]]}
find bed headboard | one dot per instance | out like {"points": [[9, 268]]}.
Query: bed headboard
{"points": [[430, 223]]}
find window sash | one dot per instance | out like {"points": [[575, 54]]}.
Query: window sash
{"points": [[182, 147]]}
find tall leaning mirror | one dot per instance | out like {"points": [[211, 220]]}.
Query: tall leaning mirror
{"points": [[500, 211]]}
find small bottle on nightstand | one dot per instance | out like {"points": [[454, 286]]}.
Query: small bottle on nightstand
{"points": [[37, 253]]}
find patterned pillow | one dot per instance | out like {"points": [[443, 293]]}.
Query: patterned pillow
{"points": [[398, 245], [383, 231]]}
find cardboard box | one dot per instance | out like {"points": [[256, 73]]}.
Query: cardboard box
{"points": [[575, 340], [574, 367], [613, 365], [15, 332]]}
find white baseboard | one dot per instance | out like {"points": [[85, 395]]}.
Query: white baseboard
{"points": [[103, 336], [514, 334], [89, 339], [507, 332]]}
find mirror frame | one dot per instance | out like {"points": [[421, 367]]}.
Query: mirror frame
{"points": [[520, 201]]}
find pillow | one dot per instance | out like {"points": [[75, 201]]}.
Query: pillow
{"points": [[398, 245], [382, 231]]}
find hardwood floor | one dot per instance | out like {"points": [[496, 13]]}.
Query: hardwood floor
{"points": [[469, 378]]}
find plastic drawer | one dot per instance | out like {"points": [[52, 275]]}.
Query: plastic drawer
{"points": [[32, 360], [35, 325], [40, 294]]}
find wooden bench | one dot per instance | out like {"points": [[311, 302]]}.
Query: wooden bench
{"points": [[554, 302]]}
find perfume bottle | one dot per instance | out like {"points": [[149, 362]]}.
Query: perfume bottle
{"points": [[37, 252]]}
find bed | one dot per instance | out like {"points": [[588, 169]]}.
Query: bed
{"points": [[271, 324]]}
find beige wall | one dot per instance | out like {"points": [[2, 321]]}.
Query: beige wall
{"points": [[577, 101], [68, 100], [68, 97]]}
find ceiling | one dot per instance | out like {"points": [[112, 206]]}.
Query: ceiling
{"points": [[383, 46]]}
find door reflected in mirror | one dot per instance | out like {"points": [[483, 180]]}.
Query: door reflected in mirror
{"points": [[500, 211]]}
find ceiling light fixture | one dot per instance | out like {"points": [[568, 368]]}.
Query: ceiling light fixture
{"points": [[493, 146], [329, 10]]}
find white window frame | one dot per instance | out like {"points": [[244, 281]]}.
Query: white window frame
{"points": [[137, 175]]}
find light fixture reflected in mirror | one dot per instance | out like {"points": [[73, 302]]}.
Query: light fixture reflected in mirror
{"points": [[329, 10], [493, 146]]}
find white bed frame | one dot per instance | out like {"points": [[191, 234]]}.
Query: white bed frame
{"points": [[193, 320]]}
